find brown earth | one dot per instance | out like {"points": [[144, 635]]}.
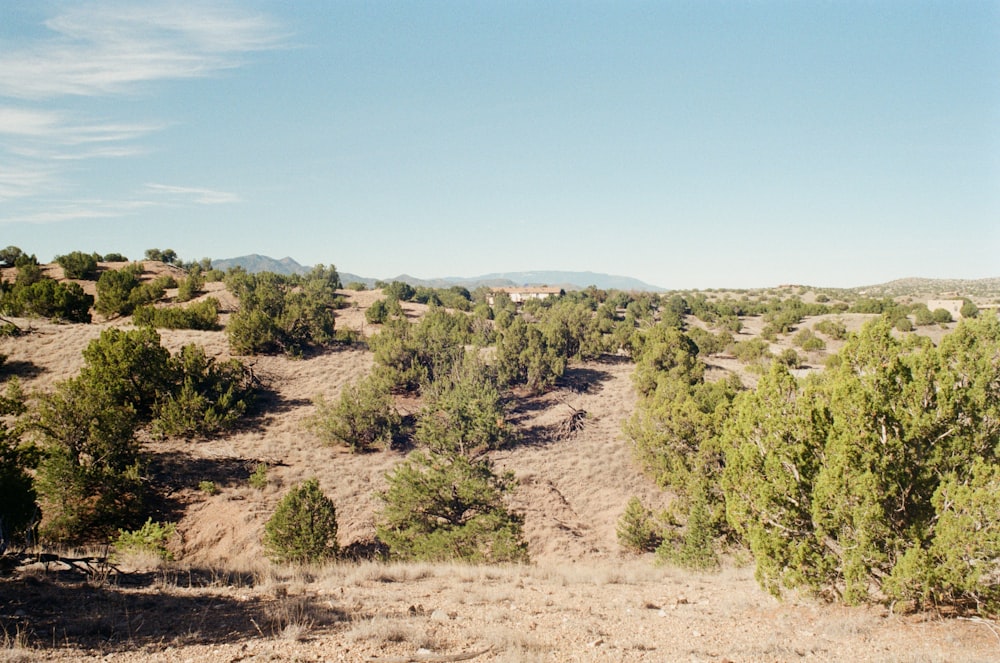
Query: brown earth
{"points": [[581, 598]]}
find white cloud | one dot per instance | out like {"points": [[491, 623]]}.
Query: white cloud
{"points": [[99, 49], [109, 48], [83, 209], [201, 196]]}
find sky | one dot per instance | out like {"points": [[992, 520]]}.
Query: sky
{"points": [[689, 144]]}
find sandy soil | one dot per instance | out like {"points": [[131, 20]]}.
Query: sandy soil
{"points": [[581, 598]]}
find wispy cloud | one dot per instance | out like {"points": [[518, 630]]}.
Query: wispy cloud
{"points": [[193, 194], [109, 48], [101, 49]]}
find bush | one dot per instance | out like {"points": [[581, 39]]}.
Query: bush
{"points": [[399, 290], [258, 478], [464, 413], [208, 396], [115, 291], [190, 287], [202, 315], [91, 476], [808, 341], [637, 530], [879, 476], [281, 314], [695, 549], [447, 507], [364, 417], [48, 298], [303, 528], [941, 316], [152, 538], [835, 329], [18, 507], [79, 265]]}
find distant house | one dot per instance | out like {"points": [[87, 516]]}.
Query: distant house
{"points": [[521, 295]]}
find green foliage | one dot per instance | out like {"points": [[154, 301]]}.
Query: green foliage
{"points": [[79, 265], [119, 292], [208, 487], [922, 315], [207, 396], [903, 324], [363, 418], [465, 413], [637, 530], [47, 298], [258, 478], [280, 314], [191, 287], [752, 351], [835, 329], [709, 343], [695, 549], [10, 255], [808, 341], [202, 315], [113, 257], [303, 528], [152, 537], [18, 507], [969, 309], [408, 356], [879, 476], [399, 291], [168, 256], [524, 356], [941, 316], [91, 475], [448, 507], [381, 310]]}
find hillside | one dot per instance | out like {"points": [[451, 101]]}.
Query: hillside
{"points": [[580, 599]]}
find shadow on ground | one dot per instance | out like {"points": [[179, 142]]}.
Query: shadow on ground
{"points": [[62, 605]]}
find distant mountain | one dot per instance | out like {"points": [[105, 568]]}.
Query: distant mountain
{"points": [[566, 280], [258, 263]]}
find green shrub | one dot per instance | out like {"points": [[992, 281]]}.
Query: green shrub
{"points": [[152, 537], [18, 506], [190, 287], [258, 478], [115, 290], [695, 549], [202, 315], [447, 507], [464, 412], [835, 329], [208, 487], [399, 290], [79, 265], [751, 351], [941, 316], [303, 528], [808, 341], [364, 417], [637, 530], [47, 298], [209, 396]]}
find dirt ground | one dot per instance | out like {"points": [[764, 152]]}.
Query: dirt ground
{"points": [[580, 599]]}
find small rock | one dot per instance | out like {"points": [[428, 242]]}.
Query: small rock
{"points": [[596, 643], [439, 616]]}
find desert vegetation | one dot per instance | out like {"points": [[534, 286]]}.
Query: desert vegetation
{"points": [[350, 438]]}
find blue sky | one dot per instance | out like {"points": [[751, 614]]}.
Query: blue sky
{"points": [[688, 144]]}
